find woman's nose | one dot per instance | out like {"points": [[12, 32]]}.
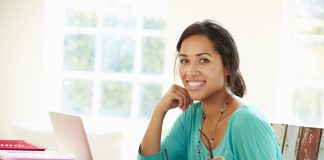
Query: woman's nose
{"points": [[192, 70]]}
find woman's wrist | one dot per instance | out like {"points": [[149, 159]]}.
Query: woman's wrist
{"points": [[160, 111]]}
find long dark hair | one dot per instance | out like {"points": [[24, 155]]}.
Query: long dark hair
{"points": [[225, 45]]}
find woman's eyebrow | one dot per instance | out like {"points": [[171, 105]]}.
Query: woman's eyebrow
{"points": [[182, 55], [201, 54], [197, 55]]}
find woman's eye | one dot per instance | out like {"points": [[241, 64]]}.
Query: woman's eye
{"points": [[183, 61], [204, 60]]}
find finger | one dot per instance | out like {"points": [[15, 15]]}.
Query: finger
{"points": [[184, 93], [177, 94], [182, 90], [183, 102], [180, 101], [187, 99]]}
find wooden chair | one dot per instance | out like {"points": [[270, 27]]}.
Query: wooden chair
{"points": [[300, 143]]}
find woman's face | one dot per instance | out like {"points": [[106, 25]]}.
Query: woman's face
{"points": [[201, 68]]}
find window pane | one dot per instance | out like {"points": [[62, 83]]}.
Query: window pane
{"points": [[80, 18], [120, 14], [153, 22], [150, 95], [309, 61], [310, 16], [77, 96], [115, 20], [308, 104], [154, 14], [118, 54], [153, 55], [79, 52], [116, 98]]}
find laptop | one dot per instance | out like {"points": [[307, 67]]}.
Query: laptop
{"points": [[70, 135]]}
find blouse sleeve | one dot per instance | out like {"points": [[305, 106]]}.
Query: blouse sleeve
{"points": [[173, 144], [253, 138]]}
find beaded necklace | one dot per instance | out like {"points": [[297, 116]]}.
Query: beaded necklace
{"points": [[211, 141]]}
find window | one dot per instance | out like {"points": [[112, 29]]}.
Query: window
{"points": [[303, 62], [105, 57]]}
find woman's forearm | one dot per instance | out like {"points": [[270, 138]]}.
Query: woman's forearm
{"points": [[151, 142], [175, 97]]}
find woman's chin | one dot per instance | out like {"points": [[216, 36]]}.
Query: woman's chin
{"points": [[195, 97]]}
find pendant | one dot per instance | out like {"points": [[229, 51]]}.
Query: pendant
{"points": [[211, 142]]}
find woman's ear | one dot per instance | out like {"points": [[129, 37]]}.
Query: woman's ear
{"points": [[226, 72]]}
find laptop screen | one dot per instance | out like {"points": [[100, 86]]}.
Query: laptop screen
{"points": [[70, 135]]}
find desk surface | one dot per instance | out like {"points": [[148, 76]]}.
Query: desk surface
{"points": [[28, 155]]}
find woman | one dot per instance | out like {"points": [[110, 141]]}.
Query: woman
{"points": [[220, 125]]}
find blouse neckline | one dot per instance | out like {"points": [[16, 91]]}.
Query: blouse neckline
{"points": [[205, 149]]}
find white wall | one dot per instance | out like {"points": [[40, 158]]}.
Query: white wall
{"points": [[255, 25], [21, 29]]}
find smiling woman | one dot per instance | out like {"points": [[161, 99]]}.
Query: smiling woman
{"points": [[221, 124]]}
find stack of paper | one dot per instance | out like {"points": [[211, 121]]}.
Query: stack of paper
{"points": [[19, 145], [23, 150]]}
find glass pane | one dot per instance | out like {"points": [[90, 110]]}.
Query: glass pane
{"points": [[150, 95], [114, 20], [77, 96], [154, 14], [118, 54], [310, 16], [79, 52], [153, 22], [308, 104], [116, 98], [153, 55], [309, 61], [120, 14], [80, 18]]}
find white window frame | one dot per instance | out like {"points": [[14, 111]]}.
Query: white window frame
{"points": [[53, 74], [287, 81]]}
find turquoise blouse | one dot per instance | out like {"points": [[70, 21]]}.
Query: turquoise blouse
{"points": [[248, 136]]}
